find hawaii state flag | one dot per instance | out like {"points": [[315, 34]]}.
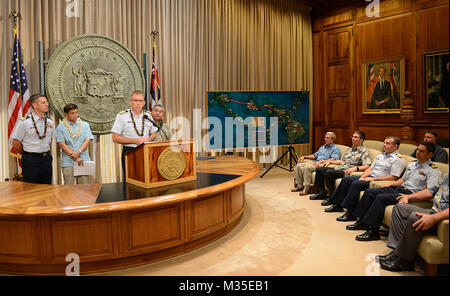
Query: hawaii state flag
{"points": [[19, 94], [154, 87]]}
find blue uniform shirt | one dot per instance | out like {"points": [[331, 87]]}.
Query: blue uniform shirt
{"points": [[63, 135], [324, 152], [387, 165], [420, 176]]}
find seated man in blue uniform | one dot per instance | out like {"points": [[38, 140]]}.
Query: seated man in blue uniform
{"points": [[387, 166], [420, 174], [32, 139], [410, 223]]}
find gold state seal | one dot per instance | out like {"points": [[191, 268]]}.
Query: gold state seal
{"points": [[96, 73], [171, 164]]}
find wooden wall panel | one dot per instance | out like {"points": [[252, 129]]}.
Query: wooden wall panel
{"points": [[379, 133], [432, 35], [338, 82], [338, 19], [406, 28], [318, 94], [387, 8], [421, 4]]}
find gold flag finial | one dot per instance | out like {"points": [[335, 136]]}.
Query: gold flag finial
{"points": [[16, 16], [154, 34]]}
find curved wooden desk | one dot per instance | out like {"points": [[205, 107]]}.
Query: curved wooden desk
{"points": [[41, 224]]}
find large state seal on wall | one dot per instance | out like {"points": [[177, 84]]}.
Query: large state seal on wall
{"points": [[96, 73]]}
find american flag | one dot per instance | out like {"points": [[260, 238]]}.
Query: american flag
{"points": [[371, 72], [394, 74], [19, 94], [154, 87]]}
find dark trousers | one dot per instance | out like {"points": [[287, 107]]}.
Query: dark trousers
{"points": [[348, 191], [373, 203], [124, 150], [37, 168], [327, 177]]}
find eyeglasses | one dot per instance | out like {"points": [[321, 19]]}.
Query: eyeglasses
{"points": [[140, 101]]}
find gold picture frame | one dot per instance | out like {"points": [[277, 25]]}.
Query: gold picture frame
{"points": [[436, 81], [383, 83]]}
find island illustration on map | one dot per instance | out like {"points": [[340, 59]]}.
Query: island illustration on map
{"points": [[256, 111]]}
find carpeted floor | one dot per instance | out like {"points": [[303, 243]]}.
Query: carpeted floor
{"points": [[280, 234]]}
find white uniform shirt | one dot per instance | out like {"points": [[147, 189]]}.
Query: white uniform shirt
{"points": [[123, 126], [26, 133], [388, 165]]}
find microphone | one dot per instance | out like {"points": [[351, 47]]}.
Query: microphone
{"points": [[148, 118]]}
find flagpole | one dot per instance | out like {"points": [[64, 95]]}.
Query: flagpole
{"points": [[155, 35], [17, 17]]}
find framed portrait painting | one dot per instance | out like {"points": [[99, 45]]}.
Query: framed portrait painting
{"points": [[436, 79], [383, 85]]}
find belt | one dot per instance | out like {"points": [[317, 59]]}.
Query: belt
{"points": [[43, 154]]}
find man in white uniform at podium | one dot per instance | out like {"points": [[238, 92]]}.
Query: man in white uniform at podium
{"points": [[133, 127]]}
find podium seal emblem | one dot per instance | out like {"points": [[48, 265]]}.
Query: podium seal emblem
{"points": [[96, 73], [171, 164]]}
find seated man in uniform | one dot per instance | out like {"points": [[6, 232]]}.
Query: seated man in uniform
{"points": [[303, 170], [32, 139], [355, 159], [419, 174], [163, 133], [387, 166], [439, 155], [410, 223]]}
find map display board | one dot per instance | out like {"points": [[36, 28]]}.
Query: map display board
{"points": [[239, 119]]}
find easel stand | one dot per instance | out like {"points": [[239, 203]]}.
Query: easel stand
{"points": [[293, 156]]}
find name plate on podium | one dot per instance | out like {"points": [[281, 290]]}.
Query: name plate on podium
{"points": [[162, 163]]}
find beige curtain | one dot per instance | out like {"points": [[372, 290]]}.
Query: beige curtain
{"points": [[203, 45]]}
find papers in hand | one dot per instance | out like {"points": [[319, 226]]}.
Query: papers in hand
{"points": [[88, 169]]}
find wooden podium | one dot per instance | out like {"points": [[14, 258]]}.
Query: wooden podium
{"points": [[161, 163]]}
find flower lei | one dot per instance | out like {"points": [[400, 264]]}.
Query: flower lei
{"points": [[70, 129]]}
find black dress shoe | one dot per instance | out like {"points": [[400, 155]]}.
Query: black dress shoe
{"points": [[334, 208], [387, 257], [318, 196], [358, 225], [397, 264], [326, 202], [369, 235], [347, 217]]}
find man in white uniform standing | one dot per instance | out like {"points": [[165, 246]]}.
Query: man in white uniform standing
{"points": [[133, 127]]}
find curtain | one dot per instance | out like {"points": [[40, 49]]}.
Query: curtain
{"points": [[203, 45]]}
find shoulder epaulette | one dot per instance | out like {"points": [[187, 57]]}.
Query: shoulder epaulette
{"points": [[23, 118], [433, 166], [123, 111], [399, 156]]}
